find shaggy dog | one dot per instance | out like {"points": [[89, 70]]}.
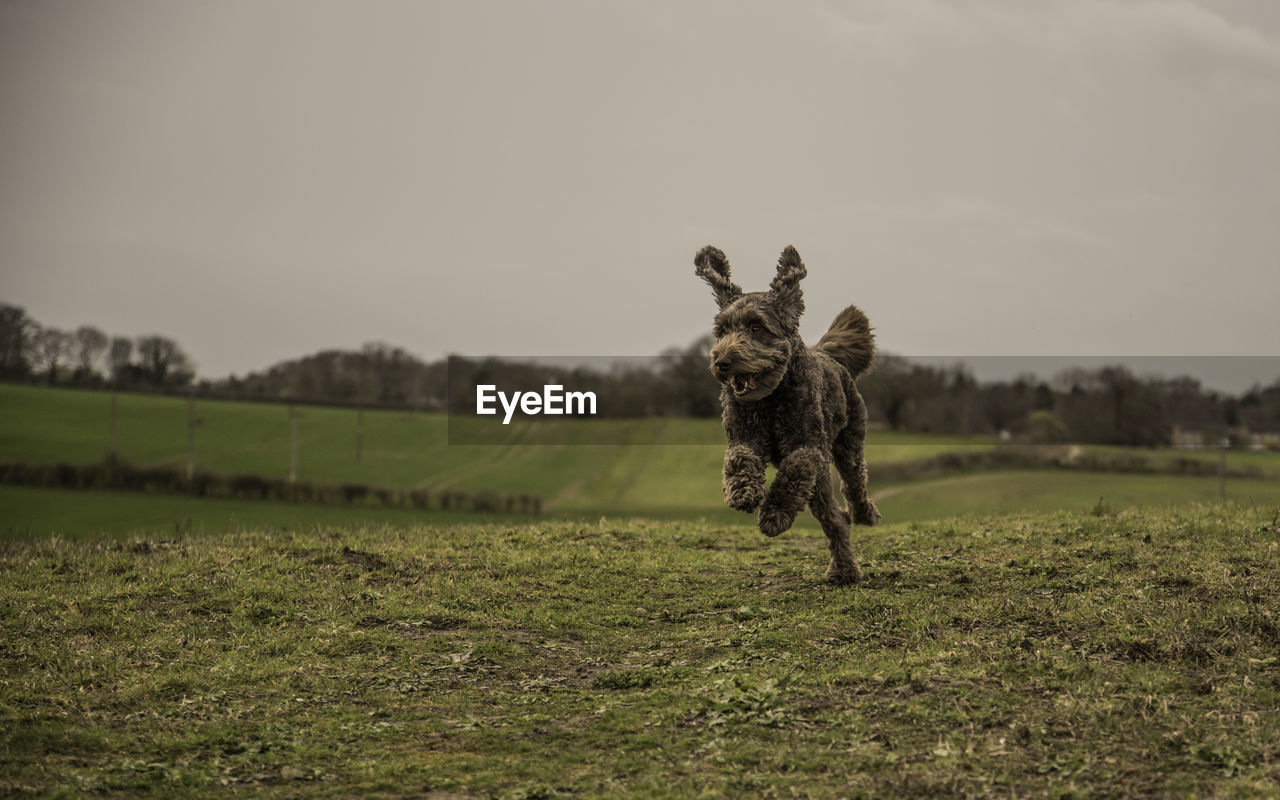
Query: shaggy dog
{"points": [[792, 406]]}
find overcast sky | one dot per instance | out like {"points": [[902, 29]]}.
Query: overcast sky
{"points": [[261, 180]]}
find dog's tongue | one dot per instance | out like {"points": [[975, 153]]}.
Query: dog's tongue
{"points": [[744, 382]]}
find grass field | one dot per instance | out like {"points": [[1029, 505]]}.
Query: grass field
{"points": [[38, 513], [1266, 461], [411, 450], [34, 513], [400, 449], [1117, 637], [1058, 655], [1003, 492]]}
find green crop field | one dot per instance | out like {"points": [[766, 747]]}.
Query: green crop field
{"points": [[412, 450], [400, 449], [1058, 655]]}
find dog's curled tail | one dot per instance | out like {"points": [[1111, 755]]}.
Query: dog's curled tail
{"points": [[850, 341]]}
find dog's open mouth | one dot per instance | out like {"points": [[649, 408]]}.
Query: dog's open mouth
{"points": [[743, 383]]}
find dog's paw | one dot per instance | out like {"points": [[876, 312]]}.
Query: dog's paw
{"points": [[866, 514], [774, 520], [746, 496], [743, 478], [843, 574]]}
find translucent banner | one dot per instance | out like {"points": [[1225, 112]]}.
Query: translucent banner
{"points": [[673, 399]]}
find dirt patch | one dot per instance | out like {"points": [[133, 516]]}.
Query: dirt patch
{"points": [[369, 561], [414, 629]]}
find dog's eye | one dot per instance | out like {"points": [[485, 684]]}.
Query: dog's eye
{"points": [[755, 327]]}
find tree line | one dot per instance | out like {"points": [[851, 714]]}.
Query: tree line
{"points": [[1109, 405], [87, 356]]}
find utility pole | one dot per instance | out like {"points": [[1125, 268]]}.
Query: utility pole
{"points": [[192, 422], [1222, 472], [293, 445], [115, 453], [359, 432]]}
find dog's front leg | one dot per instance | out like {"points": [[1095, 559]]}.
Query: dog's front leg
{"points": [[743, 478], [792, 487]]}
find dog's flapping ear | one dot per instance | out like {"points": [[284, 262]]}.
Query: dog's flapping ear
{"points": [[785, 288], [712, 266]]}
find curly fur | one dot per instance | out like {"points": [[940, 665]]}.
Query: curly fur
{"points": [[795, 407]]}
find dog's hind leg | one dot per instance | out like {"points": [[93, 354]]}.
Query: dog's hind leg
{"points": [[851, 463], [835, 524]]}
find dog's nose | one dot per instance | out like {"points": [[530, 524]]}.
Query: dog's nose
{"points": [[723, 364]]}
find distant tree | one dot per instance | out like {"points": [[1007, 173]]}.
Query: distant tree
{"points": [[948, 402], [1260, 408], [1139, 411], [690, 388], [1112, 406], [120, 359], [16, 332], [1042, 427], [1187, 404], [52, 347], [1004, 405], [394, 373], [89, 345], [1044, 397], [162, 362], [912, 397], [1076, 380]]}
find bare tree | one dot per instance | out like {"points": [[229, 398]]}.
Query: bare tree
{"points": [[89, 344], [16, 332], [163, 361], [119, 358], [52, 346]]}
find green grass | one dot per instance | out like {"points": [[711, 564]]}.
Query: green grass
{"points": [[1056, 655], [400, 449], [1267, 461], [39, 513], [1047, 490], [27, 513]]}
